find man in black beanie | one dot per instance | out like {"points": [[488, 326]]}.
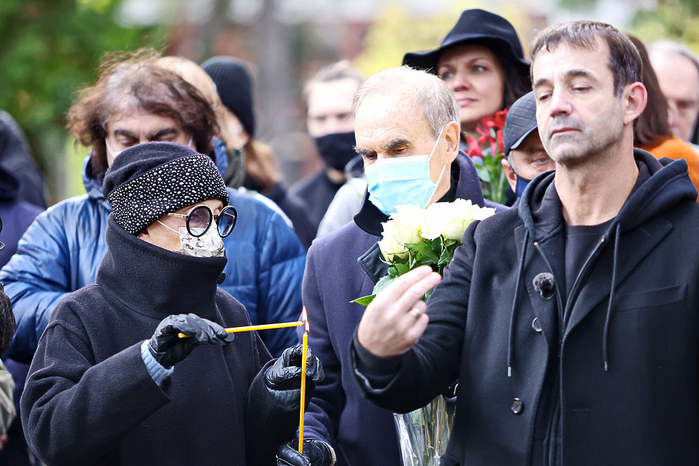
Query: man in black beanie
{"points": [[113, 383]]}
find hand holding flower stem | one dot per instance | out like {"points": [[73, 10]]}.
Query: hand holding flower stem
{"points": [[396, 319]]}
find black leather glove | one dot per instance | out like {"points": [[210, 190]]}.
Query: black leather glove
{"points": [[283, 378], [169, 349], [7, 321], [315, 453]]}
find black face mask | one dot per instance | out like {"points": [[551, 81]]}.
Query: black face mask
{"points": [[336, 149]]}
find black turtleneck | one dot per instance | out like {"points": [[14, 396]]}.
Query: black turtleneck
{"points": [[90, 400]]}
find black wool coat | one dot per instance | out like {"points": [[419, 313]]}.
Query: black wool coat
{"points": [[627, 354], [89, 399]]}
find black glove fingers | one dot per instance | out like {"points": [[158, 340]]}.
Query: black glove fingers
{"points": [[315, 453], [168, 349], [288, 455], [292, 356], [289, 378]]}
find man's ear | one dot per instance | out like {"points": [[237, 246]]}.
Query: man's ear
{"points": [[634, 100], [452, 134], [509, 174]]}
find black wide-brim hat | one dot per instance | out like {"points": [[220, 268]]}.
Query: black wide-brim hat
{"points": [[475, 27]]}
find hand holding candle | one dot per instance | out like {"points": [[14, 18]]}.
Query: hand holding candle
{"points": [[317, 451], [304, 354], [249, 328]]}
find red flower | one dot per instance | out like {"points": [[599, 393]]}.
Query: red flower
{"points": [[499, 119], [474, 148]]}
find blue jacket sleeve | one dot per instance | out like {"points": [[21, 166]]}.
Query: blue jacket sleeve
{"points": [[281, 263], [36, 279], [323, 413], [59, 253]]}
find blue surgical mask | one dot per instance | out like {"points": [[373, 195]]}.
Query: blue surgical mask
{"points": [[402, 180], [521, 184]]}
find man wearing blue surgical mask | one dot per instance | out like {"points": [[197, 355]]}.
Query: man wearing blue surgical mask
{"points": [[525, 156], [407, 132]]}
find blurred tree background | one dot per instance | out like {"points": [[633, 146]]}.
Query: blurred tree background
{"points": [[50, 48]]}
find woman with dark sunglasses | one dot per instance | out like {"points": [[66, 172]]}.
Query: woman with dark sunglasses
{"points": [[113, 383]]}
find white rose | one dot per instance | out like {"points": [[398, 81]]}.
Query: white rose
{"points": [[436, 216], [455, 227], [390, 247], [405, 224], [450, 219]]}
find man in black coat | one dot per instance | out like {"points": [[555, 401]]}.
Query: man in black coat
{"points": [[405, 117], [571, 322]]}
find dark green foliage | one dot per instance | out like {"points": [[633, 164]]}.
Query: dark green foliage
{"points": [[50, 48]]}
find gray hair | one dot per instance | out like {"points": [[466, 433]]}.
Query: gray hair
{"points": [[669, 46], [427, 93]]}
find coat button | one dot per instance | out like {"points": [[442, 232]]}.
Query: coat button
{"points": [[536, 325], [517, 406]]}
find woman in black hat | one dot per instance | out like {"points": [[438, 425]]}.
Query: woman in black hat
{"points": [[482, 62]]}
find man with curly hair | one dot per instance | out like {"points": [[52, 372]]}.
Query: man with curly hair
{"points": [[134, 101]]}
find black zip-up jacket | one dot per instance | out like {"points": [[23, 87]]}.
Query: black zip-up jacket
{"points": [[629, 353]]}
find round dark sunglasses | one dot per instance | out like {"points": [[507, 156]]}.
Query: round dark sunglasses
{"points": [[199, 220]]}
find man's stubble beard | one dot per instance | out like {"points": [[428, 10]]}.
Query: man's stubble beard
{"points": [[594, 144]]}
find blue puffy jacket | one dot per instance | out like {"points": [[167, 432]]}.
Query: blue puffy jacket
{"points": [[62, 250]]}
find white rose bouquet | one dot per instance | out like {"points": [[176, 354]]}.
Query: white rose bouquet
{"points": [[413, 237]]}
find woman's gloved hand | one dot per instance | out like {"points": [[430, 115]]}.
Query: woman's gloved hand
{"points": [[168, 349], [315, 453], [283, 378]]}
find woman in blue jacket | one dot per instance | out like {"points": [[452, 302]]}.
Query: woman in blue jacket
{"points": [[135, 101]]}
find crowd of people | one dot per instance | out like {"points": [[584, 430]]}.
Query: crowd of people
{"points": [[564, 331]]}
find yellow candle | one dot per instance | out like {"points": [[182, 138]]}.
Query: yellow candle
{"points": [[249, 328], [303, 389], [304, 353]]}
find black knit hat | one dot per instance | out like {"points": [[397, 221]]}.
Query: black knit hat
{"points": [[234, 86], [477, 27], [520, 123], [147, 181]]}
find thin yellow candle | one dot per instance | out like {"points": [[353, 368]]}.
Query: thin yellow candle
{"points": [[249, 328], [304, 352]]}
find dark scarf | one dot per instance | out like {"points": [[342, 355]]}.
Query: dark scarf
{"points": [[156, 282]]}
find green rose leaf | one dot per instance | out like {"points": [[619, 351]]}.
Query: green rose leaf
{"points": [[400, 270], [424, 254], [445, 258], [382, 284], [364, 300]]}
